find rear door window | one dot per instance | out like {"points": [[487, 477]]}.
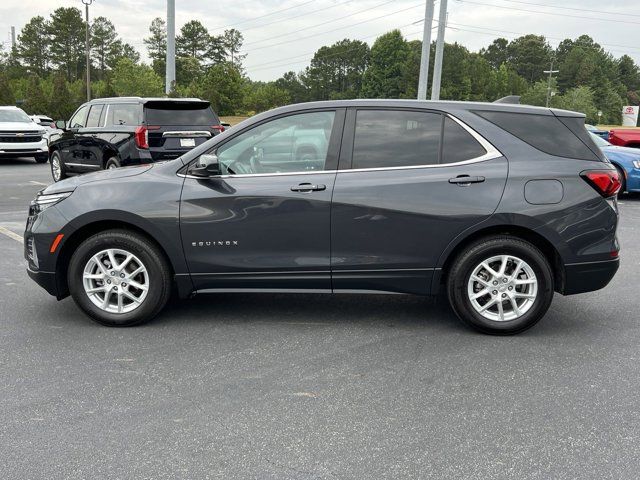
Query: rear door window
{"points": [[93, 120], [180, 114], [124, 114], [396, 138], [458, 144]]}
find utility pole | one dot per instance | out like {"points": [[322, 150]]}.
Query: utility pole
{"points": [[437, 66], [551, 71], [426, 50], [170, 75], [86, 46], [13, 37]]}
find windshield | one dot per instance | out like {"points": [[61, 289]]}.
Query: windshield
{"points": [[599, 141], [14, 115]]}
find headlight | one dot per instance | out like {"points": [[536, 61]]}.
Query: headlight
{"points": [[636, 163], [42, 202]]}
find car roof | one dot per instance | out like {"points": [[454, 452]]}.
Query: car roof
{"points": [[444, 105], [9, 107]]}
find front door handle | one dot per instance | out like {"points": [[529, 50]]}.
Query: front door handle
{"points": [[464, 180], [308, 187]]}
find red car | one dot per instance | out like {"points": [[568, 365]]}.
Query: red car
{"points": [[625, 138]]}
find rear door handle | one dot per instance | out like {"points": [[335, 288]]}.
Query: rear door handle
{"points": [[463, 180], [308, 187]]}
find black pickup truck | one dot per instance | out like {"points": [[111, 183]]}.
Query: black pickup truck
{"points": [[116, 132]]}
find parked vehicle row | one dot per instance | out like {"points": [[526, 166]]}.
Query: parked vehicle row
{"points": [[20, 136], [109, 133], [627, 162], [496, 205], [625, 137]]}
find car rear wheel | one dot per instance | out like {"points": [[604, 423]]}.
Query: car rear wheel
{"points": [[119, 278], [57, 167], [500, 285], [111, 164]]}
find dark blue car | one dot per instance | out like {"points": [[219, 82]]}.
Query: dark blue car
{"points": [[626, 160]]}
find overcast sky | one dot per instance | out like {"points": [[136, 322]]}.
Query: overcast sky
{"points": [[289, 31]]}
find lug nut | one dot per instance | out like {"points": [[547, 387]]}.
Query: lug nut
{"points": [[510, 288], [115, 288], [495, 292], [113, 273], [504, 280], [504, 295], [109, 281], [122, 276], [123, 284], [495, 282]]}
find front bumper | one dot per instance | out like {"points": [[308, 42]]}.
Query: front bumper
{"points": [[21, 149], [590, 276], [46, 280]]}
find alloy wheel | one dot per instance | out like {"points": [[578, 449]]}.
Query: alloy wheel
{"points": [[502, 288], [116, 281]]}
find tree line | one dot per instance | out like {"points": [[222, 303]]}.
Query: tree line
{"points": [[44, 72]]}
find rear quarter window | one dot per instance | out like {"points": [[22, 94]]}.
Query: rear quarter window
{"points": [[124, 114], [546, 133]]}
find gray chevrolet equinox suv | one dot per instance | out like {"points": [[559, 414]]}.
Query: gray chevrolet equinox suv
{"points": [[498, 206]]}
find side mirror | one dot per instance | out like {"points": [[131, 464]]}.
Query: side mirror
{"points": [[207, 165], [61, 124]]}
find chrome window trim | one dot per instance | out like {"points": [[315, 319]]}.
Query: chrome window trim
{"points": [[106, 114], [491, 153], [81, 165]]}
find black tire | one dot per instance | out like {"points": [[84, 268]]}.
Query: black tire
{"points": [[42, 158], [623, 181], [483, 249], [112, 163], [159, 277], [56, 159]]}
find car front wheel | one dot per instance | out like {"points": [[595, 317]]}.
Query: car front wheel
{"points": [[119, 278], [500, 285], [57, 167]]}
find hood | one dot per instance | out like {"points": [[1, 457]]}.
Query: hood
{"points": [[21, 127], [70, 184]]}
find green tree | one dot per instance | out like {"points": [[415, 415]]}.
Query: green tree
{"points": [[222, 85], [67, 33], [385, 76], [294, 87], [265, 97], [104, 44], [131, 79], [530, 55], [6, 93], [579, 99], [35, 100], [336, 71], [33, 45], [60, 106], [496, 53], [232, 41], [157, 42], [194, 41]]}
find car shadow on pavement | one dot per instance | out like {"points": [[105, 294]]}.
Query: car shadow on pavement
{"points": [[312, 309]]}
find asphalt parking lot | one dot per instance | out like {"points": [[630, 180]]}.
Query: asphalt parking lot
{"points": [[311, 386]]}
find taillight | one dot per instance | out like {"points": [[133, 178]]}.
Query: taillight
{"points": [[53, 125], [218, 128], [141, 136], [606, 182]]}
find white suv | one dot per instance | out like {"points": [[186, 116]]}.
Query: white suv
{"points": [[20, 136]]}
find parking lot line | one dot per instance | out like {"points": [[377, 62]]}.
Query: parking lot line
{"points": [[39, 183], [8, 233]]}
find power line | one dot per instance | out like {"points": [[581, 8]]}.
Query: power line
{"points": [[323, 23], [573, 8], [556, 14], [265, 15], [335, 29]]}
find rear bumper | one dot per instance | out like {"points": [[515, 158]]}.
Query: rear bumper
{"points": [[587, 277]]}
